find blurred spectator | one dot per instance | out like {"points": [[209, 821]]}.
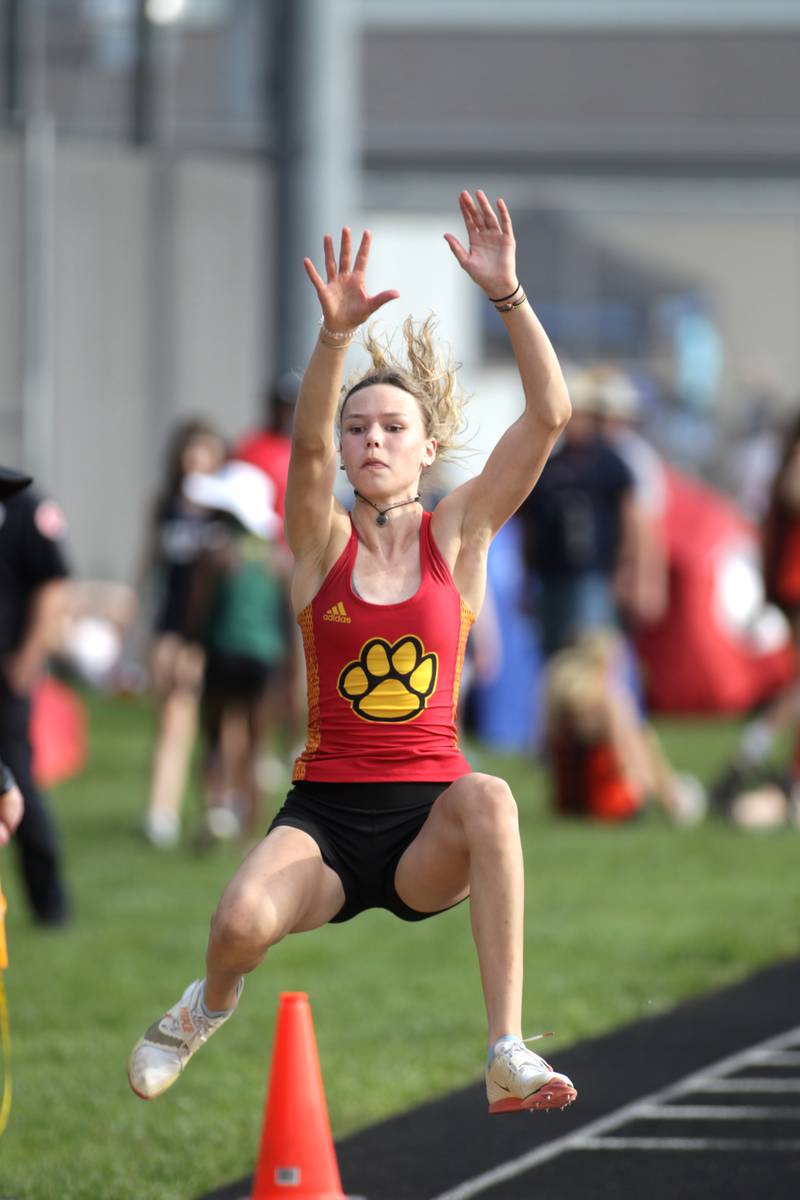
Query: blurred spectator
{"points": [[781, 530], [606, 762], [12, 804], [781, 566], [179, 531], [506, 708], [752, 461], [758, 800], [579, 524], [269, 448], [33, 600], [643, 587], [239, 614]]}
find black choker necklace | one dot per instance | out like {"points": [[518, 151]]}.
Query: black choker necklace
{"points": [[382, 518]]}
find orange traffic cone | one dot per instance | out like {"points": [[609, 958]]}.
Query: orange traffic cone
{"points": [[297, 1158]]}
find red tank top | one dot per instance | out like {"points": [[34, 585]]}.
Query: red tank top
{"points": [[383, 679]]}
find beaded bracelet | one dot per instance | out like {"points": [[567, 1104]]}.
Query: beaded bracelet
{"points": [[331, 338], [506, 308]]}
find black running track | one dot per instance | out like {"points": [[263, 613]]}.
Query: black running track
{"points": [[703, 1101]]}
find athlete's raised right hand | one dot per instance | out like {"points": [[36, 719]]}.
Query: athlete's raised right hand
{"points": [[343, 296]]}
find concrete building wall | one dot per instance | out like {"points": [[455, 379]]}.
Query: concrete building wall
{"points": [[676, 147], [10, 299], [159, 311], [544, 96]]}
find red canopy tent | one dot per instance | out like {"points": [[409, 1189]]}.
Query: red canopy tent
{"points": [[719, 647]]}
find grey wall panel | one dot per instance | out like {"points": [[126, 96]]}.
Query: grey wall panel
{"points": [[443, 94], [100, 351], [10, 301], [219, 327], [159, 313]]}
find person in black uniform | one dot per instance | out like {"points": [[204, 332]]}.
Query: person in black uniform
{"points": [[33, 595], [12, 804]]}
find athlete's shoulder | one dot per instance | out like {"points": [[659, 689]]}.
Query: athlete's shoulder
{"points": [[312, 570], [447, 519]]}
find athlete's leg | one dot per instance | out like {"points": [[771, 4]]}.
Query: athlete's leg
{"points": [[470, 844], [282, 887]]}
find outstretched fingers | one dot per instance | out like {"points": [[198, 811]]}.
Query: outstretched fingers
{"points": [[330, 257], [378, 301], [469, 212], [460, 253], [505, 217], [344, 251], [314, 276], [334, 269], [490, 220], [362, 256]]}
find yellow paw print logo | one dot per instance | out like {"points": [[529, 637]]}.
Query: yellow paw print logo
{"points": [[389, 682]]}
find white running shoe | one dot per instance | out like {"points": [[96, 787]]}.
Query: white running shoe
{"points": [[222, 823], [516, 1079], [162, 829], [159, 1057]]}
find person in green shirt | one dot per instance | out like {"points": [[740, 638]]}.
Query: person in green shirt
{"points": [[238, 612]]}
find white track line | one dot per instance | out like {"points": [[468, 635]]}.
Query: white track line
{"points": [[691, 1144], [590, 1133], [714, 1112], [746, 1086], [781, 1058]]}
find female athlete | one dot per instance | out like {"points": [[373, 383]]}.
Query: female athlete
{"points": [[384, 810]]}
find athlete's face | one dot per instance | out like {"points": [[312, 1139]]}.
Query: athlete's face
{"points": [[384, 445]]}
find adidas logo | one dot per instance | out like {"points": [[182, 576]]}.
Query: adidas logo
{"points": [[336, 612]]}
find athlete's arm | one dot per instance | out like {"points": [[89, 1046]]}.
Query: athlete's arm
{"points": [[310, 507], [481, 506]]}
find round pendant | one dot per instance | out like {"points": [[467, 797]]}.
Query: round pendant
{"points": [[381, 519]]}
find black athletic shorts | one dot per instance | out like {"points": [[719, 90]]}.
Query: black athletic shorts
{"points": [[234, 677], [362, 830]]}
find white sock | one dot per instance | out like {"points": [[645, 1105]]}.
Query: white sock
{"points": [[214, 1016]]}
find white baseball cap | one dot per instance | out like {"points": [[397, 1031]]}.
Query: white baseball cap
{"points": [[604, 391], [240, 489]]}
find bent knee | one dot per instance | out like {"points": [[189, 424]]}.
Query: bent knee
{"points": [[247, 920], [488, 801]]}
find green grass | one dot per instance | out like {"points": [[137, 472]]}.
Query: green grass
{"points": [[621, 924]]}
